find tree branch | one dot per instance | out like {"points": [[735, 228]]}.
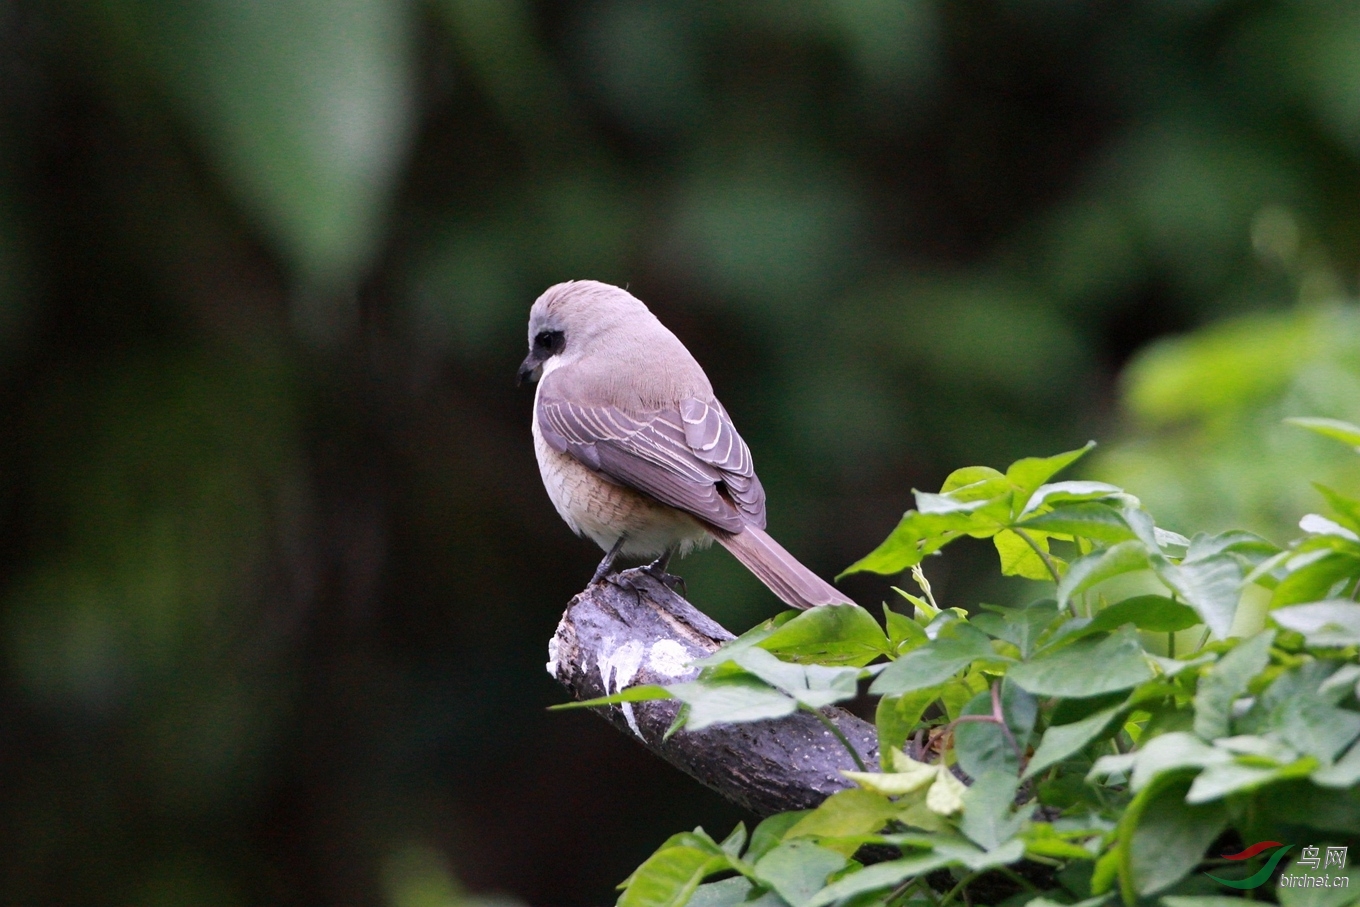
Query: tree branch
{"points": [[631, 629]]}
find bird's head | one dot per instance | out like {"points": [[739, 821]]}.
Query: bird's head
{"points": [[571, 318]]}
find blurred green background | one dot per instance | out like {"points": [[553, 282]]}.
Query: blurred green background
{"points": [[277, 572]]}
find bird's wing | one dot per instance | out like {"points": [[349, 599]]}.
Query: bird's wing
{"points": [[713, 438], [689, 457]]}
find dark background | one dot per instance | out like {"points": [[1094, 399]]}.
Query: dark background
{"points": [[276, 570]]}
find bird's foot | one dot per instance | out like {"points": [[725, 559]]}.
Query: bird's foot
{"points": [[601, 572], [607, 565], [657, 571]]}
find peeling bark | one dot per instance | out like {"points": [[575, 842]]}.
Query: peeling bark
{"points": [[631, 629]]}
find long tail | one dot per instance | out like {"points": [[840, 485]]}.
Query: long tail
{"points": [[795, 584]]}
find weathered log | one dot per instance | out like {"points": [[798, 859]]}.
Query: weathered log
{"points": [[631, 629]]}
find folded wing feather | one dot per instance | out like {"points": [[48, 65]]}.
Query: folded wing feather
{"points": [[689, 457]]}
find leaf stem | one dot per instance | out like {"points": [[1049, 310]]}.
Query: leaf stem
{"points": [[999, 714], [1017, 877], [903, 888], [1046, 861], [1043, 555], [963, 883], [839, 735], [919, 576], [922, 887], [998, 717]]}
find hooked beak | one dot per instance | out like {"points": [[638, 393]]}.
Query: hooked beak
{"points": [[529, 370]]}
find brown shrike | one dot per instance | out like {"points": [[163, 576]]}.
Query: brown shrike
{"points": [[635, 451]]}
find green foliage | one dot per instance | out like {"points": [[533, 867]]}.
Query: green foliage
{"points": [[1209, 441], [1098, 767], [901, 235], [309, 142]]}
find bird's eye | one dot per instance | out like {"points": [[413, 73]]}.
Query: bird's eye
{"points": [[550, 342]]}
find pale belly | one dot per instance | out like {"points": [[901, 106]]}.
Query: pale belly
{"points": [[602, 511]]}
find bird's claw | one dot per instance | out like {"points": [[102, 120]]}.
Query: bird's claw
{"points": [[669, 580], [602, 573]]}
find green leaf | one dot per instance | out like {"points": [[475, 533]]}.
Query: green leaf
{"points": [[894, 784], [922, 610], [1140, 523], [798, 869], [1316, 524], [1347, 509], [1107, 869], [304, 108], [1021, 627], [846, 813], [1087, 667], [831, 634], [641, 693], [917, 535], [1247, 546], [733, 892], [1212, 586], [1342, 682], [1302, 804], [735, 841], [1066, 711], [1344, 432], [670, 876], [1061, 741], [1220, 780], [902, 775], [1315, 574], [956, 694], [1041, 839], [1293, 710], [959, 850], [986, 516], [904, 634], [945, 796], [1168, 836], [1098, 566], [1170, 753], [1068, 492], [988, 818], [1165, 539], [982, 746], [1154, 613], [757, 634], [1027, 474], [1170, 667], [982, 482], [957, 646], [771, 831], [1327, 623], [815, 686], [1019, 559], [896, 717], [1223, 683], [1092, 520], [731, 700], [960, 502], [1345, 772], [879, 877]]}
